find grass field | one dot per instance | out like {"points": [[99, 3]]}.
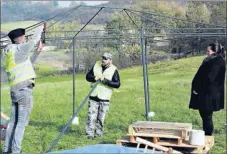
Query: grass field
{"points": [[20, 24], [170, 84], [23, 24]]}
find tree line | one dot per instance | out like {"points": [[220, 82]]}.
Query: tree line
{"points": [[117, 23], [212, 12]]}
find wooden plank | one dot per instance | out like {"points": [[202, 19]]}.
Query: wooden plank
{"points": [[125, 139], [168, 128], [131, 130], [184, 144], [158, 147], [145, 149], [155, 135], [164, 125], [132, 138], [155, 140], [158, 130], [162, 143], [163, 132], [179, 141], [209, 142], [138, 146]]}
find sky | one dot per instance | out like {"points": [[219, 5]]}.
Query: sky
{"points": [[66, 3]]}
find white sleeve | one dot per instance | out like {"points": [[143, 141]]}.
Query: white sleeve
{"points": [[29, 45]]}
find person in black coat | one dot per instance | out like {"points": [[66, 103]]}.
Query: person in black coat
{"points": [[207, 92]]}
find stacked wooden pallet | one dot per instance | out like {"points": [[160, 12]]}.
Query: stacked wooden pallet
{"points": [[174, 135], [160, 130]]}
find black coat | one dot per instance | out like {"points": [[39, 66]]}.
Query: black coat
{"points": [[208, 85]]}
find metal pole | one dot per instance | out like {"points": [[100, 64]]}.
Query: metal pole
{"points": [[226, 56], [73, 75], [71, 119], [142, 43], [148, 92]]}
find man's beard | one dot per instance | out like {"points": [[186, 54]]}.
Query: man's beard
{"points": [[105, 65]]}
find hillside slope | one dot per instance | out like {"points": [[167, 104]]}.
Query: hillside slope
{"points": [[170, 84], [13, 25]]}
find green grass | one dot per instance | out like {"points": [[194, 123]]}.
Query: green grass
{"points": [[20, 24], [170, 84], [48, 68]]}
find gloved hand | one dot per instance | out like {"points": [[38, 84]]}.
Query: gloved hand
{"points": [[99, 78], [96, 78], [39, 47]]}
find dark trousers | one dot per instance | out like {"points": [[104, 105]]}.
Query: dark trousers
{"points": [[208, 125]]}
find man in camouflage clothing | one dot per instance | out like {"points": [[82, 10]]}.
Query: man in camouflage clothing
{"points": [[99, 101]]}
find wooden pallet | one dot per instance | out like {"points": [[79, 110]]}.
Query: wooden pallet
{"points": [[209, 143], [160, 129], [155, 146], [157, 138]]}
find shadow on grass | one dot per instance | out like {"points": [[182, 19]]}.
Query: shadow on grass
{"points": [[57, 126], [107, 142], [41, 124], [117, 127]]}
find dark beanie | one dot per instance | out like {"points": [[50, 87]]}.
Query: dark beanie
{"points": [[16, 33]]}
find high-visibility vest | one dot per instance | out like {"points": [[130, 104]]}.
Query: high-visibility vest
{"points": [[103, 91], [17, 72]]}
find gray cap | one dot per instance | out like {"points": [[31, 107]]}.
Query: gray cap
{"points": [[107, 55]]}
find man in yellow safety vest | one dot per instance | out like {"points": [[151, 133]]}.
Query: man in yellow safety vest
{"points": [[99, 100], [21, 77]]}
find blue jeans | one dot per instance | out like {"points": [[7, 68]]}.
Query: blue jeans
{"points": [[22, 103]]}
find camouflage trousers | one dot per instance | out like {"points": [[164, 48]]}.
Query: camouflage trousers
{"points": [[97, 111]]}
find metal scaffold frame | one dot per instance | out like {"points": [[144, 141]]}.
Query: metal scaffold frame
{"points": [[177, 32]]}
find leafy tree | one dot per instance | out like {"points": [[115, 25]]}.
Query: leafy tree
{"points": [[218, 12], [198, 11]]}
